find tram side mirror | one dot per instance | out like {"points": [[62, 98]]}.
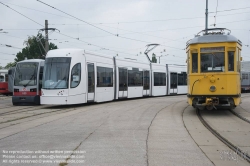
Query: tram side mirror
{"points": [[241, 58]]}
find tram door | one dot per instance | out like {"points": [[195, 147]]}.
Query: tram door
{"points": [[146, 83], [91, 82], [123, 83], [173, 83]]}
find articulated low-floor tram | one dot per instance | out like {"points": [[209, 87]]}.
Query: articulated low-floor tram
{"points": [[214, 64], [28, 81], [74, 76]]}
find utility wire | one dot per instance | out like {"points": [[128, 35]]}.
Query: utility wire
{"points": [[7, 53], [38, 10], [21, 14], [103, 48], [231, 10], [6, 45], [76, 18], [99, 27]]}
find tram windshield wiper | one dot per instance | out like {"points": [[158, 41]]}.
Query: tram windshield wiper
{"points": [[58, 83], [33, 75]]}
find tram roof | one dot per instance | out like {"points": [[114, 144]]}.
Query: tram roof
{"points": [[31, 60], [213, 38]]}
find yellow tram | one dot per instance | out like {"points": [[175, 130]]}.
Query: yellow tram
{"points": [[214, 59]]}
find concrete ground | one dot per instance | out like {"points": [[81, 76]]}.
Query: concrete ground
{"points": [[149, 131]]}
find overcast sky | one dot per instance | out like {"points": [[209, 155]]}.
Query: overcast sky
{"points": [[137, 23]]}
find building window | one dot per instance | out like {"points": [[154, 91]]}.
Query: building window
{"points": [[159, 79], [135, 77], [104, 77], [76, 75]]}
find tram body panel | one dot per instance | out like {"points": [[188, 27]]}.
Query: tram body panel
{"points": [[132, 71], [159, 79]]}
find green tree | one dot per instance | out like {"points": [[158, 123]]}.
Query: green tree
{"points": [[1, 67], [10, 64], [33, 49]]}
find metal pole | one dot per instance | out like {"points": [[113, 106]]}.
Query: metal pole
{"points": [[159, 59], [206, 16], [46, 37]]}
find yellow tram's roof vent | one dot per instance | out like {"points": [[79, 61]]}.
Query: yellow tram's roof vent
{"points": [[213, 35]]}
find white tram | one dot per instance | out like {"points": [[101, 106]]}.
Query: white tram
{"points": [[73, 76]]}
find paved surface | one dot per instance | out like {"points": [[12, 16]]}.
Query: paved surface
{"points": [[150, 131], [226, 124], [132, 132]]}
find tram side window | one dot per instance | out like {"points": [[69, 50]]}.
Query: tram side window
{"points": [[40, 77], [135, 78], [159, 79], [146, 80], [1, 78], [194, 62], [6, 77], [184, 78], [75, 75], [104, 77], [180, 79], [173, 80], [230, 60]]}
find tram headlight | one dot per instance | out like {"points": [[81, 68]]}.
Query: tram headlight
{"points": [[212, 88]]}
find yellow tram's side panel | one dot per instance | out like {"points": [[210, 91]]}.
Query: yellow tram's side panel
{"points": [[227, 83]]}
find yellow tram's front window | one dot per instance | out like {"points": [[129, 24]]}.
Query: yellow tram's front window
{"points": [[212, 59]]}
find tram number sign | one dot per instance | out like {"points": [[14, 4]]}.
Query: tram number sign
{"points": [[24, 89], [212, 49]]}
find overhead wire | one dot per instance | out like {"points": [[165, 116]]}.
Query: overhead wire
{"points": [[6, 45], [99, 27], [231, 9], [21, 14], [7, 53], [37, 10]]}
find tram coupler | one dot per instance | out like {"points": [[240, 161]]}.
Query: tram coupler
{"points": [[212, 102]]}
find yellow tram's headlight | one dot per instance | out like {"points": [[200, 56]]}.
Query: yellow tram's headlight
{"points": [[212, 88]]}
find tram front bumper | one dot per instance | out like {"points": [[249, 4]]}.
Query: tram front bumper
{"points": [[26, 99], [54, 100]]}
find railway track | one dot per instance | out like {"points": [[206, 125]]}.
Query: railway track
{"points": [[222, 138]]}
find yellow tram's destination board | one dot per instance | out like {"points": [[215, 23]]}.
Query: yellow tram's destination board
{"points": [[212, 49]]}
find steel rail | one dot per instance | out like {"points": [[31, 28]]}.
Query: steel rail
{"points": [[239, 116], [221, 138]]}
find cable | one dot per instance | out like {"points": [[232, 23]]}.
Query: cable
{"points": [[231, 9], [99, 27], [10, 46], [215, 15], [193, 86], [7, 53], [93, 44], [13, 36], [21, 14], [37, 10], [75, 17]]}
